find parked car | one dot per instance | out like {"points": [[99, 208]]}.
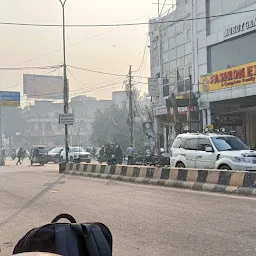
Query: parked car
{"points": [[212, 151], [54, 155], [76, 155]]}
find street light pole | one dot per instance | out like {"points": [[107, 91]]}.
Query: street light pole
{"points": [[65, 90]]}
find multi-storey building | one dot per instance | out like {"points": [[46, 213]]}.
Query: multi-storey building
{"points": [[213, 42]]}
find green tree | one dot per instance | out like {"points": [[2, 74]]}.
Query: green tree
{"points": [[110, 126]]}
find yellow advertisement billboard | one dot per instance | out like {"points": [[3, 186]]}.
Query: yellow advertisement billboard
{"points": [[227, 78]]}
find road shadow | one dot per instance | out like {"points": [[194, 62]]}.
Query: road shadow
{"points": [[48, 186]]}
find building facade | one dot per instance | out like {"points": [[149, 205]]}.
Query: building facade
{"points": [[119, 98], [173, 71], [203, 50], [226, 66]]}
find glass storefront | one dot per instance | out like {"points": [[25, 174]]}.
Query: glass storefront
{"points": [[231, 53]]}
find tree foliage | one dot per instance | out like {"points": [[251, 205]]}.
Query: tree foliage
{"points": [[111, 126]]}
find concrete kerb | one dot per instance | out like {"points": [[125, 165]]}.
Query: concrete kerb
{"points": [[222, 181]]}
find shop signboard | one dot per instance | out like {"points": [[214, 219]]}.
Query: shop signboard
{"points": [[228, 78], [153, 87], [10, 99], [240, 28], [149, 134], [160, 108]]}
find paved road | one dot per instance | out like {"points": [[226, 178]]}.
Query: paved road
{"points": [[145, 220]]}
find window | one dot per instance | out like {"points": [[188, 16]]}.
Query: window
{"points": [[228, 143], [189, 34], [191, 144], [77, 149], [172, 43], [166, 91], [221, 56], [203, 143], [180, 86], [179, 142], [176, 143]]}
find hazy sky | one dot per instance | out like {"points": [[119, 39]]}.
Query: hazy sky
{"points": [[112, 51]]}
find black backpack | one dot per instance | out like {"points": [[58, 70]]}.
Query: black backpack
{"points": [[68, 239]]}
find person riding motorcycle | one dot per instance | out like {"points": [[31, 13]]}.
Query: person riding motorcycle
{"points": [[109, 151], [101, 157]]}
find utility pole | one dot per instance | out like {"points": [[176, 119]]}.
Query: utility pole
{"points": [[190, 105], [177, 122], [66, 90], [130, 106], [158, 9]]}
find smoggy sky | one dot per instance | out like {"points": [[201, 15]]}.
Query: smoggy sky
{"points": [[105, 49]]}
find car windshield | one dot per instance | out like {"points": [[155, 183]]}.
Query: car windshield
{"points": [[42, 150], [55, 150], [228, 143]]}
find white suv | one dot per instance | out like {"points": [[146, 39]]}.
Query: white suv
{"points": [[212, 151], [76, 155]]}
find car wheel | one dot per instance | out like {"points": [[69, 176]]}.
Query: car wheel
{"points": [[56, 160], [71, 159], [180, 165], [224, 167]]}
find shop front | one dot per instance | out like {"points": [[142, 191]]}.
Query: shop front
{"points": [[228, 100]]}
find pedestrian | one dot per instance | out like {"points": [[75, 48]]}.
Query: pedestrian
{"points": [[93, 152], [19, 155], [3, 153], [119, 154], [130, 153]]}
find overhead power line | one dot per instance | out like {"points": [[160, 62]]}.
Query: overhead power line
{"points": [[29, 68], [122, 24], [110, 74]]}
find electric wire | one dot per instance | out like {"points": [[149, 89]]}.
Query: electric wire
{"points": [[123, 24]]}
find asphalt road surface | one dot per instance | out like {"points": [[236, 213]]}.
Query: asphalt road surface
{"points": [[144, 220]]}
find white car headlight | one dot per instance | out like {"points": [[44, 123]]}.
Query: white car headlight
{"points": [[244, 160]]}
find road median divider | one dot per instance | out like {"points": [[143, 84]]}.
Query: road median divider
{"points": [[235, 182]]}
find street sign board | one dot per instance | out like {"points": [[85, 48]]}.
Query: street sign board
{"points": [[66, 119], [153, 87], [11, 99]]}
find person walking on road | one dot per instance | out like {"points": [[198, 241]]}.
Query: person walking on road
{"points": [[19, 155], [130, 153]]}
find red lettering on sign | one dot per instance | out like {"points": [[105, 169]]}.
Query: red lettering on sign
{"points": [[217, 80], [229, 75], [241, 73], [250, 71]]}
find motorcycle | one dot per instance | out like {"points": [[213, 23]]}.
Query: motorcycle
{"points": [[102, 159], [162, 159], [119, 159]]}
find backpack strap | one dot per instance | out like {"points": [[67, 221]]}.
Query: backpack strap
{"points": [[94, 240], [100, 241], [66, 241]]}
